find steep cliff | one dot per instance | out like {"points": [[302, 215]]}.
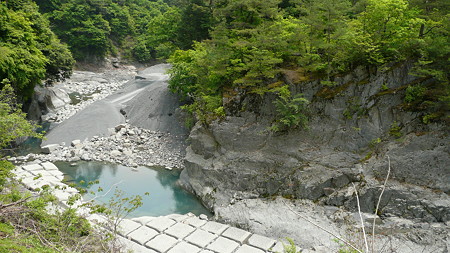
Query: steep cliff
{"points": [[354, 126]]}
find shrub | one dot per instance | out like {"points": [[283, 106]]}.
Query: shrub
{"points": [[290, 109]]}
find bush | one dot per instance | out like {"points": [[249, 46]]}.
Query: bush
{"points": [[290, 109]]}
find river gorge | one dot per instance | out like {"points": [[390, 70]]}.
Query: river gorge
{"points": [[123, 126]]}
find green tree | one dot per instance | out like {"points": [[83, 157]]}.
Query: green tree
{"points": [[85, 30], [30, 51], [21, 62], [385, 31], [196, 22]]}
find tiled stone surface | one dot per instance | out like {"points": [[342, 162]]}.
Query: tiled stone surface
{"points": [[249, 249], [160, 223], [173, 233], [223, 245], [143, 234], [214, 227], [127, 226], [161, 243], [194, 221], [180, 230], [200, 238], [236, 234], [261, 242], [184, 247]]}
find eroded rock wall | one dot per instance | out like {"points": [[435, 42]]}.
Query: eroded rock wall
{"points": [[348, 141]]}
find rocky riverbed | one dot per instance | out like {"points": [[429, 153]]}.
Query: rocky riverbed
{"points": [[83, 88], [126, 145], [101, 132]]}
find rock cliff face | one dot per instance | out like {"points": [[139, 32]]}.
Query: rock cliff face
{"points": [[349, 139]]}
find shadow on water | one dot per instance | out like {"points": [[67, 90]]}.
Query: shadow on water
{"points": [[166, 197], [31, 145]]}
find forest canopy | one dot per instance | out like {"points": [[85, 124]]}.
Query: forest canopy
{"points": [[251, 43], [29, 51]]}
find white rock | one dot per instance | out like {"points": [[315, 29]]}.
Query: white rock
{"points": [[48, 149], [115, 153], [75, 143]]}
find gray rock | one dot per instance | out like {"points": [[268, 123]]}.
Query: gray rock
{"points": [[115, 153], [75, 143], [48, 149]]}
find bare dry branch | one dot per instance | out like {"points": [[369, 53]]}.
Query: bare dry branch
{"points": [[378, 203], [360, 217]]}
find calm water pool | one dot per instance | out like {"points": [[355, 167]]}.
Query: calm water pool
{"points": [[166, 197]]}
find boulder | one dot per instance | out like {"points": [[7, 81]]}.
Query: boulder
{"points": [[115, 153], [48, 149], [75, 143]]}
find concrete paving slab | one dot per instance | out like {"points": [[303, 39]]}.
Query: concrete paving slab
{"points": [[32, 167], [200, 238], [249, 249], [262, 242], [49, 166], [184, 247], [61, 195], [179, 230], [17, 169], [223, 245], [51, 180], [23, 174], [134, 247], [143, 234], [177, 217], [56, 173], [236, 234], [127, 226], [41, 172], [144, 219], [160, 223], [194, 221], [161, 243], [214, 227]]}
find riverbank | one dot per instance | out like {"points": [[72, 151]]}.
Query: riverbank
{"points": [[125, 145]]}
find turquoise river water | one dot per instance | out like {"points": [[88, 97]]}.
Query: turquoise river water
{"points": [[165, 196]]}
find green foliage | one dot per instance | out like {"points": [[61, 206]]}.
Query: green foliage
{"points": [[386, 31], [14, 242], [373, 143], [13, 122], [414, 94], [290, 248], [354, 107], [395, 130], [29, 50], [5, 173], [81, 26], [250, 43], [290, 109]]}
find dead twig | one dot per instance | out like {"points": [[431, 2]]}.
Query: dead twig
{"points": [[361, 219], [15, 203], [383, 187]]}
